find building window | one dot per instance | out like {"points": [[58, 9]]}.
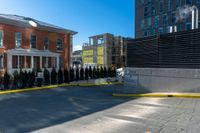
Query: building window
{"points": [[160, 30], [61, 61], [100, 41], [156, 21], [33, 41], [50, 62], [179, 27], [21, 61], [145, 34], [1, 61], [142, 24], [91, 42], [113, 59], [150, 32], [168, 29], [14, 61], [146, 11], [28, 61], [173, 18], [18, 39], [113, 51], [161, 5], [178, 3], [170, 3], [1, 38], [188, 2], [149, 21], [153, 11], [44, 62], [54, 62], [142, 2], [188, 26], [164, 19], [153, 32], [46, 43], [59, 44]]}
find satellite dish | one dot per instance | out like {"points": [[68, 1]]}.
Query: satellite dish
{"points": [[32, 23]]}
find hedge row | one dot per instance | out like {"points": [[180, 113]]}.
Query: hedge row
{"points": [[25, 79]]}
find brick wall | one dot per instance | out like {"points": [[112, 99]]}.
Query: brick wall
{"points": [[9, 40]]}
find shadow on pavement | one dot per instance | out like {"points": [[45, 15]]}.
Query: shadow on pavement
{"points": [[31, 111]]}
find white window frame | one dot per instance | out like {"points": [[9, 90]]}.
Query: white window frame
{"points": [[62, 44], [1, 62], [17, 39], [46, 48], [1, 40], [35, 41]]}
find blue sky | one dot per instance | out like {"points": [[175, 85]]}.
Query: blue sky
{"points": [[87, 17]]}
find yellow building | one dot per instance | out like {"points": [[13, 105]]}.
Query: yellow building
{"points": [[104, 50], [88, 56]]}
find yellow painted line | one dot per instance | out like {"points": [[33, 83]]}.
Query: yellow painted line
{"points": [[179, 95], [28, 89], [49, 87]]}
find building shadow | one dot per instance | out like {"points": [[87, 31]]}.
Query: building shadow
{"points": [[31, 111]]}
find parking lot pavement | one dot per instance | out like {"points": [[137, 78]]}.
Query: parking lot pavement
{"points": [[94, 110], [34, 110], [155, 115]]}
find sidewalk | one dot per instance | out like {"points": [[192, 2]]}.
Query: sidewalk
{"points": [[100, 81], [161, 94], [91, 81]]}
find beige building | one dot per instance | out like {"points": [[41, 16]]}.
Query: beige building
{"points": [[104, 50], [76, 58]]}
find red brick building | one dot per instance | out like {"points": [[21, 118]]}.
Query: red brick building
{"points": [[31, 44]]}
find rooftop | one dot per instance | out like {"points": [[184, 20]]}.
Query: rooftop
{"points": [[22, 21], [77, 52], [100, 35]]}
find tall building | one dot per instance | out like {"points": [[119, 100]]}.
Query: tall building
{"points": [[26, 43], [104, 50], [154, 17]]}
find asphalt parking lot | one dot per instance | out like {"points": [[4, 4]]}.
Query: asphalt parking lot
{"points": [[94, 110]]}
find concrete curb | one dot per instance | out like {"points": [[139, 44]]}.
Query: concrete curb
{"points": [[177, 95], [55, 86]]}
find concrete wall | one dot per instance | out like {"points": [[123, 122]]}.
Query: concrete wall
{"points": [[144, 80]]}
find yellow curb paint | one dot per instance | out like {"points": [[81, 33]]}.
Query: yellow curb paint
{"points": [[49, 87], [28, 89], [179, 95]]}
